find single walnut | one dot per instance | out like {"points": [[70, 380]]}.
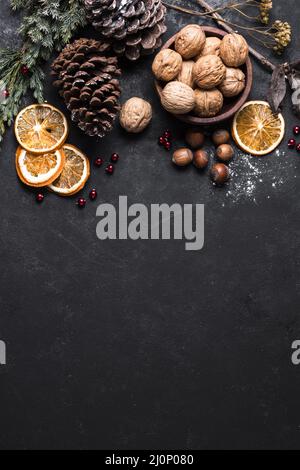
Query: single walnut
{"points": [[178, 98], [190, 41], [234, 82], [166, 65], [211, 47], [234, 50], [208, 102], [135, 115], [209, 71], [186, 73]]}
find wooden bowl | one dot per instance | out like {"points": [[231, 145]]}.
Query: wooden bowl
{"points": [[231, 105]]}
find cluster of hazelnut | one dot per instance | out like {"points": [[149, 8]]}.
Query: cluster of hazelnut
{"points": [[224, 152], [201, 71]]}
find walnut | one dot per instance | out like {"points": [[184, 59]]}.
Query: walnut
{"points": [[234, 50], [135, 115], [208, 102], [186, 73], [211, 47], [234, 82], [209, 71], [166, 65], [178, 98], [190, 41]]}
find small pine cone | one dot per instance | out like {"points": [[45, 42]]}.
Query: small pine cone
{"points": [[134, 27], [87, 79]]}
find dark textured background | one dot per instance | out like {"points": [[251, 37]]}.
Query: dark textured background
{"points": [[143, 345]]}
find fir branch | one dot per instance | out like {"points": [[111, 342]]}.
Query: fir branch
{"points": [[47, 26]]}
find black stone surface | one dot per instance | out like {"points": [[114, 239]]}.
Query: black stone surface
{"points": [[140, 345]]}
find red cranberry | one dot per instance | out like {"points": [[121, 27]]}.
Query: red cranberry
{"points": [[115, 157], [40, 197], [298, 148], [110, 169], [6, 94], [81, 202], [167, 134], [98, 162], [296, 130], [24, 70], [167, 145], [93, 194], [161, 140], [291, 144]]}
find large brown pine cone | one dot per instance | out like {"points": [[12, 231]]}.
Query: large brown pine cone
{"points": [[87, 79], [134, 27]]}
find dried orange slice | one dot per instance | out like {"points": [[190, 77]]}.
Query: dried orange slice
{"points": [[256, 129], [39, 170], [75, 173], [41, 128]]}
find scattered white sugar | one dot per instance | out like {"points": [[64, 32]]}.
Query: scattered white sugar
{"points": [[252, 177]]}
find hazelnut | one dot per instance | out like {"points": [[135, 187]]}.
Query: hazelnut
{"points": [[135, 115], [220, 136], [200, 159], [209, 71], [234, 82], [194, 138], [186, 73], [208, 102], [166, 65], [225, 152], [211, 47], [178, 98], [234, 50], [190, 41], [219, 173], [182, 157]]}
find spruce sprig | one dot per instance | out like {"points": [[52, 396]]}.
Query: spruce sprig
{"points": [[47, 26]]}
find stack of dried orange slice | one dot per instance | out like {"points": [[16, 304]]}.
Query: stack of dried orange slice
{"points": [[43, 158]]}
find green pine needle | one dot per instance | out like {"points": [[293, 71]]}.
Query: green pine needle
{"points": [[47, 26]]}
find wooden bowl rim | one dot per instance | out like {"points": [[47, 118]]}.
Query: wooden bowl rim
{"points": [[195, 120]]}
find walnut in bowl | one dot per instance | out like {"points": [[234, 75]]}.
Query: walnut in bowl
{"points": [[190, 41], [230, 105], [166, 65], [234, 82], [209, 71], [234, 50]]}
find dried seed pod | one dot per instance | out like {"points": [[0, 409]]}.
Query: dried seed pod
{"points": [[234, 82], [209, 71], [208, 102], [234, 50]]}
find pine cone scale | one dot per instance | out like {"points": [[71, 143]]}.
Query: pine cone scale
{"points": [[130, 26], [87, 79]]}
